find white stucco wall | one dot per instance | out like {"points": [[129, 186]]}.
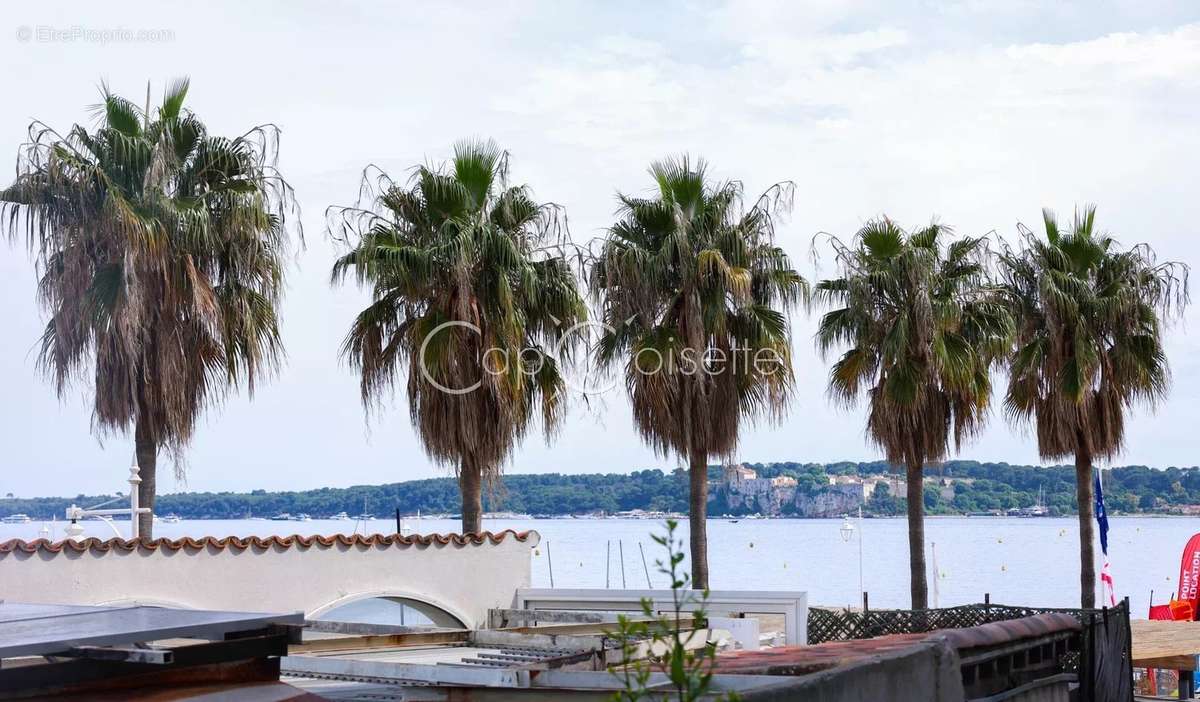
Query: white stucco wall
{"points": [[461, 577]]}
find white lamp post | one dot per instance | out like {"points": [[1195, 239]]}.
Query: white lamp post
{"points": [[74, 513], [847, 531]]}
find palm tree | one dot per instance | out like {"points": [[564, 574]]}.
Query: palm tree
{"points": [[693, 293], [1088, 347], [923, 326], [471, 292], [161, 251]]}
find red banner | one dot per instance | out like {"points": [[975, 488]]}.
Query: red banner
{"points": [[1189, 571]]}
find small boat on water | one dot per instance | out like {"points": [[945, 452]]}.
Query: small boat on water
{"points": [[301, 517], [18, 518], [1038, 509], [170, 519], [340, 517], [364, 516], [281, 517]]}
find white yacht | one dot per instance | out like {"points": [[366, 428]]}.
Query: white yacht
{"points": [[18, 518]]}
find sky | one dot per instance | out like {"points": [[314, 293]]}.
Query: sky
{"points": [[977, 113]]}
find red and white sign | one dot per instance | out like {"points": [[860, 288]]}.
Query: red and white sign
{"points": [[1189, 571]]}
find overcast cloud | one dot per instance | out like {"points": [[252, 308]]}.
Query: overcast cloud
{"points": [[975, 112]]}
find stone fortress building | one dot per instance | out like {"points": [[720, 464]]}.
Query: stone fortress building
{"points": [[741, 491]]}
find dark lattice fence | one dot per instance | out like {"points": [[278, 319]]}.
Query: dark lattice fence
{"points": [[1103, 665], [839, 625]]}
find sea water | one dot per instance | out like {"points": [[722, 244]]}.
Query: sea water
{"points": [[1016, 561]]}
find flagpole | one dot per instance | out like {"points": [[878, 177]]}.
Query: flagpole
{"points": [[1105, 582]]}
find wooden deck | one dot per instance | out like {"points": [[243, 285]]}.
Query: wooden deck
{"points": [[1165, 644]]}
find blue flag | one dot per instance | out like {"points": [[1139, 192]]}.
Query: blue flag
{"points": [[1101, 515], [1106, 579]]}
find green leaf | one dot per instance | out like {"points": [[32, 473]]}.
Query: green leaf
{"points": [[174, 97]]}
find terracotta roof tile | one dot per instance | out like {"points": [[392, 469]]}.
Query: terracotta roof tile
{"points": [[802, 660], [243, 543], [1002, 632]]}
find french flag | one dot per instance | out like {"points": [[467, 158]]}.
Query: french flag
{"points": [[1102, 521]]}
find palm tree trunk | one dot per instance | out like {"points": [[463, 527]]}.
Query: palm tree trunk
{"points": [[1085, 496], [470, 482], [698, 519], [916, 536], [146, 451]]}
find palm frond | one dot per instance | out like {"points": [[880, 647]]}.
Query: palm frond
{"points": [[924, 326], [1088, 321], [161, 252], [471, 295], [691, 289]]}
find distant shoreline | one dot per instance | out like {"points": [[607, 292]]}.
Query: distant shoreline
{"points": [[412, 519], [952, 488]]}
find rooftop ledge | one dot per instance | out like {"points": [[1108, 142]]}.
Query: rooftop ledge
{"points": [[270, 542]]}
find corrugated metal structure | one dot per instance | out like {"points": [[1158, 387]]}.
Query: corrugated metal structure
{"points": [[95, 653], [76, 652], [1018, 660]]}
